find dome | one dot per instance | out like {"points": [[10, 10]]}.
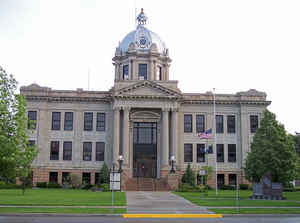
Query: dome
{"points": [[142, 38]]}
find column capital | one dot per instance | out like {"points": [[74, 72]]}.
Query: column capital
{"points": [[174, 109], [126, 108], [165, 109], [115, 108]]}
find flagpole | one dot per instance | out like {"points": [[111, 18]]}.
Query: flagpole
{"points": [[215, 141]]}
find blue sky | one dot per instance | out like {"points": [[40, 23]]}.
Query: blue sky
{"points": [[228, 45]]}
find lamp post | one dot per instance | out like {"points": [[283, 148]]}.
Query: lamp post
{"points": [[172, 164], [120, 160]]}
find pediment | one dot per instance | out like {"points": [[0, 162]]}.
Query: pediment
{"points": [[147, 89]]}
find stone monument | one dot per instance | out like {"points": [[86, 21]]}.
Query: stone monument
{"points": [[267, 189]]}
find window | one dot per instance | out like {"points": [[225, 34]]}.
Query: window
{"points": [[97, 178], [230, 124], [125, 72], [86, 178], [232, 179], [188, 127], [253, 123], [201, 180], [100, 148], [144, 133], [188, 152], [159, 73], [221, 179], [200, 123], [54, 150], [68, 121], [31, 142], [219, 124], [88, 121], [53, 176], [100, 126], [65, 177], [31, 120], [200, 153], [87, 151], [55, 120], [142, 71], [220, 153], [231, 153], [67, 152]]}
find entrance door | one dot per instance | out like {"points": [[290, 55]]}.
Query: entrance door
{"points": [[144, 149]]}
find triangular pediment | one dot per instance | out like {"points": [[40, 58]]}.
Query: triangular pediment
{"points": [[147, 89]]}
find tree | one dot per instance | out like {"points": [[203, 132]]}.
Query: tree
{"points": [[272, 151], [104, 174], [188, 177], [296, 139], [16, 154]]}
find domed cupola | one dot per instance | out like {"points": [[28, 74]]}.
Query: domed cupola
{"points": [[143, 38], [142, 55]]}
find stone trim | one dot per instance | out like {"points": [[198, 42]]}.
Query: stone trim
{"points": [[184, 102], [68, 99]]}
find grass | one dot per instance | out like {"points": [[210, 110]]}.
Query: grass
{"points": [[60, 197], [256, 210], [227, 198], [63, 210]]}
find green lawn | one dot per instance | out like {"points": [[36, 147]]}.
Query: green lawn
{"points": [[60, 197], [64, 210], [256, 210], [227, 198]]}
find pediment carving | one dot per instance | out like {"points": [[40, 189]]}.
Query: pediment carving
{"points": [[147, 89]]}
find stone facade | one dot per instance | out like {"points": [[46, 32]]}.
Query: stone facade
{"points": [[140, 97]]}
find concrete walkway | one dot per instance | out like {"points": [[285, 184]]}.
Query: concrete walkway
{"points": [[160, 202]]}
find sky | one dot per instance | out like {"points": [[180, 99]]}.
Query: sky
{"points": [[229, 45]]}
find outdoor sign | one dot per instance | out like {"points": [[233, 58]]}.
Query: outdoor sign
{"points": [[115, 181], [202, 173]]}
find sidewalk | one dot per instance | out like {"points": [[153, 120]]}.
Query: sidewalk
{"points": [[160, 202]]}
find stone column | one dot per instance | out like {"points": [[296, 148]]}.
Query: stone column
{"points": [[165, 139], [116, 139], [126, 136], [150, 73], [174, 122]]}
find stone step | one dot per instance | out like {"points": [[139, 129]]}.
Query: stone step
{"points": [[146, 184]]}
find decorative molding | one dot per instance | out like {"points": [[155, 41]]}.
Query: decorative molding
{"points": [[69, 99], [168, 93], [144, 116], [223, 102]]}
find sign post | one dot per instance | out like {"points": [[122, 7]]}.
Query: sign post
{"points": [[202, 173]]}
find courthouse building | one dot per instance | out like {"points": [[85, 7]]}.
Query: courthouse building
{"points": [[145, 118]]}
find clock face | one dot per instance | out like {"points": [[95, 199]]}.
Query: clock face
{"points": [[143, 41], [142, 38]]}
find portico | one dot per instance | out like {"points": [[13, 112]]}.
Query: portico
{"points": [[142, 134]]}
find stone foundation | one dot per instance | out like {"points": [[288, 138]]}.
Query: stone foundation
{"points": [[173, 180]]}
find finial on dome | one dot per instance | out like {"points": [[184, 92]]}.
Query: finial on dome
{"points": [[142, 18]]}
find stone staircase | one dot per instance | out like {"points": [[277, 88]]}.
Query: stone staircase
{"points": [[146, 184]]}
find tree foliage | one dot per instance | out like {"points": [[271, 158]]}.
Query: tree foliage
{"points": [[104, 174], [296, 139], [188, 177], [16, 155], [272, 151]]}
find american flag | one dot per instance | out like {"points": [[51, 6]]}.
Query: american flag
{"points": [[206, 135]]}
